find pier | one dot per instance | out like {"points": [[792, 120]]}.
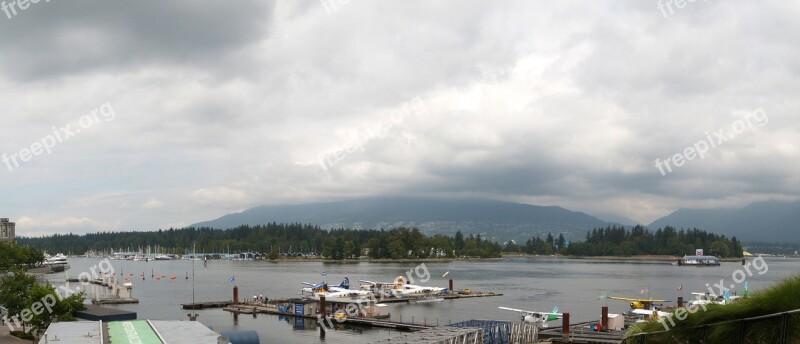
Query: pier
{"points": [[374, 315], [120, 293]]}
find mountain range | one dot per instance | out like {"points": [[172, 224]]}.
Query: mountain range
{"points": [[765, 221], [770, 221], [498, 220]]}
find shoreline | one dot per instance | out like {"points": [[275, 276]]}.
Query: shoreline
{"points": [[481, 260], [617, 258]]}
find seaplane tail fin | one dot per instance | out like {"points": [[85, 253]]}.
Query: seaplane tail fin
{"points": [[555, 309], [345, 283], [399, 282]]}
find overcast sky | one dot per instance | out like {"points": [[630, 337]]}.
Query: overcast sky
{"points": [[159, 114]]}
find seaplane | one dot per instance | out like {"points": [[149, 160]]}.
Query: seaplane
{"points": [[539, 319], [712, 299], [402, 290], [339, 293], [650, 313], [635, 303]]}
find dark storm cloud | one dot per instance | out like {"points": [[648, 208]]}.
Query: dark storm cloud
{"points": [[63, 38]]}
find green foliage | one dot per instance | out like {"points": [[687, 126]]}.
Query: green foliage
{"points": [[779, 298], [23, 335], [14, 256], [24, 298], [14, 291], [335, 244], [618, 241]]}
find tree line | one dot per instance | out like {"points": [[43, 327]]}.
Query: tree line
{"points": [[619, 241], [276, 240]]}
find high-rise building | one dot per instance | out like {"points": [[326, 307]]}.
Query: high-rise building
{"points": [[6, 230]]}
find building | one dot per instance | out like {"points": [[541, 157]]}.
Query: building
{"points": [[6, 230], [141, 331]]}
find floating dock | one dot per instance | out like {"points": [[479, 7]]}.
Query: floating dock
{"points": [[371, 322], [207, 304], [120, 294]]}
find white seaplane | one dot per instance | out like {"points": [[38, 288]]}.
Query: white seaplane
{"points": [[712, 299], [539, 319], [402, 290], [339, 293]]}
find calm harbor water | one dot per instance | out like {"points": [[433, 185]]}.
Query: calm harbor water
{"points": [[528, 283]]}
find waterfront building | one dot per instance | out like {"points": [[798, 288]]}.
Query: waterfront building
{"points": [[6, 230]]}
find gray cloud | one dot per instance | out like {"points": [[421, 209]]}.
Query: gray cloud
{"points": [[223, 106]]}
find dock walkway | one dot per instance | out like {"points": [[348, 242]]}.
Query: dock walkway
{"points": [[580, 333]]}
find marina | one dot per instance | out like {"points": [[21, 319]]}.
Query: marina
{"points": [[532, 284]]}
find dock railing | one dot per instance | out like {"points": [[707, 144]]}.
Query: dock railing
{"points": [[752, 330]]}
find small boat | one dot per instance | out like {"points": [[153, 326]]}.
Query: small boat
{"points": [[698, 261]]}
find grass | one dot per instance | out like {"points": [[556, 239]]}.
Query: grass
{"points": [[781, 297]]}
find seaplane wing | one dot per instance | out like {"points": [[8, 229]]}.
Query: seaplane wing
{"points": [[553, 314], [630, 299], [649, 312], [540, 319]]}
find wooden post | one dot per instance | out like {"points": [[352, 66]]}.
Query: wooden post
{"points": [[235, 295], [451, 285], [565, 327], [680, 301], [323, 309], [604, 319]]}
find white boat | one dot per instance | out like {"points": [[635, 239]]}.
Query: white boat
{"points": [[59, 259], [162, 257], [57, 262], [698, 261]]}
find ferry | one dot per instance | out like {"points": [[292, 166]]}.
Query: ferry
{"points": [[57, 262], [698, 261]]}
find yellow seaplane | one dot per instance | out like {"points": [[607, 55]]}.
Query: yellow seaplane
{"points": [[635, 303]]}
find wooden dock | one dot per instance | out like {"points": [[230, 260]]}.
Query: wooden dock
{"points": [[371, 322], [580, 333], [207, 304]]}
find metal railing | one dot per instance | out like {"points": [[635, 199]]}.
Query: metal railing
{"points": [[641, 338]]}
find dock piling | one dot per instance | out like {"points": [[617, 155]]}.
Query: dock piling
{"points": [[565, 327], [604, 319]]}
